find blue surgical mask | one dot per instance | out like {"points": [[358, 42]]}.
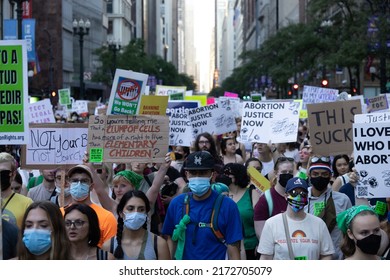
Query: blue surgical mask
{"points": [[199, 185], [37, 241], [79, 191], [66, 191], [134, 220]]}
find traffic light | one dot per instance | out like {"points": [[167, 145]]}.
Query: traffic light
{"points": [[289, 92], [324, 83]]}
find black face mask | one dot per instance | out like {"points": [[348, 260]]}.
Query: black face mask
{"points": [[319, 183], [283, 178], [5, 179], [370, 244]]}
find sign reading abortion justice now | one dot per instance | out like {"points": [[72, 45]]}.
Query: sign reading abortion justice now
{"points": [[55, 144], [211, 119], [180, 128], [372, 159], [13, 93], [331, 126], [314, 95], [263, 122], [124, 138]]}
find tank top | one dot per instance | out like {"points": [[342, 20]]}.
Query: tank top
{"points": [[147, 249]]}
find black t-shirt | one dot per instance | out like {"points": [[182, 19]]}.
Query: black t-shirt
{"points": [[10, 239]]}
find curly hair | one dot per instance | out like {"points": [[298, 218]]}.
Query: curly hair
{"points": [[240, 174]]}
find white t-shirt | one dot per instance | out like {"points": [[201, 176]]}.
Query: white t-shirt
{"points": [[309, 238], [267, 167]]}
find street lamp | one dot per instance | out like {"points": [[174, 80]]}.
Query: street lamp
{"points": [[81, 28], [19, 14], [114, 47]]}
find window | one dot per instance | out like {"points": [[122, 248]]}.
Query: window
{"points": [[110, 27], [109, 7]]}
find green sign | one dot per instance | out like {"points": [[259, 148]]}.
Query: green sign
{"points": [[64, 96]]}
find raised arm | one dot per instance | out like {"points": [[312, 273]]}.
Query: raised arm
{"points": [[158, 180]]}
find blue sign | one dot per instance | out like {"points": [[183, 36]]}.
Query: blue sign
{"points": [[10, 29], [28, 34]]}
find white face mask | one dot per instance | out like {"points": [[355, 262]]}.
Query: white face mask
{"points": [[134, 220]]}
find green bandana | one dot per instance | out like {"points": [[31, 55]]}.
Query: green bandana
{"points": [[130, 176], [179, 235], [345, 218]]}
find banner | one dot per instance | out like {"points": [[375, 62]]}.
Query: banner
{"points": [[28, 33], [13, 93], [330, 126], [41, 112], [124, 138], [314, 95], [10, 29], [372, 159], [126, 92], [55, 145], [263, 122]]}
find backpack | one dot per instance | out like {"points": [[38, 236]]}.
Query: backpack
{"points": [[214, 216], [270, 202]]}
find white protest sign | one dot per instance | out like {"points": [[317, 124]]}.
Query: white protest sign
{"points": [[212, 119], [41, 112], [314, 95], [174, 93], [51, 145], [372, 117], [372, 159], [377, 104], [270, 121], [80, 106]]}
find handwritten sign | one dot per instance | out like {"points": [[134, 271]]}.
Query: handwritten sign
{"points": [[230, 94], [377, 103], [13, 93], [126, 92], [331, 126], [153, 105], [41, 112], [263, 122], [124, 138], [372, 159], [56, 144], [211, 119], [314, 95], [174, 93], [373, 117], [64, 96]]}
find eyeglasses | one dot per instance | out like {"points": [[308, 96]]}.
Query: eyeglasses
{"points": [[58, 178], [99, 171], [205, 142], [82, 181], [228, 172], [295, 193], [76, 223], [320, 159], [281, 159]]}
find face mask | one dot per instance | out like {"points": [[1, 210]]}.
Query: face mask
{"points": [[79, 191], [134, 220], [5, 179], [370, 244], [37, 241], [320, 183], [66, 191], [199, 185], [283, 178], [297, 203]]}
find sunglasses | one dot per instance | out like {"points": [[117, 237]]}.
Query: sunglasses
{"points": [[320, 159], [295, 193]]}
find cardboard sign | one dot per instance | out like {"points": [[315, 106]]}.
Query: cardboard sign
{"points": [[314, 95], [211, 119], [124, 138], [13, 93], [258, 179], [126, 92], [372, 159], [64, 96], [377, 103], [263, 122], [331, 126], [373, 117], [41, 112], [153, 105], [54, 145]]}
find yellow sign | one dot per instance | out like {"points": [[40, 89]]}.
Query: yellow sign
{"points": [[201, 98], [258, 179], [153, 105]]}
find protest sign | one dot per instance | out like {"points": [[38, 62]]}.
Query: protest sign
{"points": [[210, 100], [126, 92], [201, 98], [258, 179], [230, 104], [124, 138], [174, 93], [212, 119], [314, 95], [372, 159], [180, 128], [373, 117], [153, 105], [230, 94], [53, 145], [377, 103], [331, 126], [64, 96], [13, 93], [41, 112], [263, 122]]}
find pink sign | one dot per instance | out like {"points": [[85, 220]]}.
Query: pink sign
{"points": [[210, 100], [231, 94]]}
